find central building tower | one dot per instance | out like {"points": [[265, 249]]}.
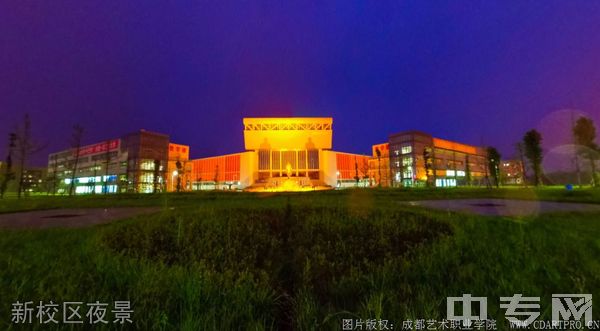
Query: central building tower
{"points": [[288, 148]]}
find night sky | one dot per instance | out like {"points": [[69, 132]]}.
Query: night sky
{"points": [[479, 72]]}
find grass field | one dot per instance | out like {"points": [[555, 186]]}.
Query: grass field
{"points": [[222, 261], [42, 201]]}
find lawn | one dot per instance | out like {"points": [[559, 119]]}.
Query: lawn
{"points": [[222, 261], [42, 201]]}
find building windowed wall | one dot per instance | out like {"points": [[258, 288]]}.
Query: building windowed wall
{"points": [[291, 152], [219, 172], [133, 163], [281, 160], [418, 159]]}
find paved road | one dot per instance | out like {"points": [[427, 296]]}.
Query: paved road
{"points": [[70, 217], [504, 207]]}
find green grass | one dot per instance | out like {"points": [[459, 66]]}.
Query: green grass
{"points": [[550, 193], [219, 261]]}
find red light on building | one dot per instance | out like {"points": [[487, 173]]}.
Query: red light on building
{"points": [[102, 147]]}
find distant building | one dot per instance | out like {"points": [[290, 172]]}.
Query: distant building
{"points": [[511, 172], [34, 180], [418, 159], [136, 162]]}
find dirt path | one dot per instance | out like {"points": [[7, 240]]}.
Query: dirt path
{"points": [[505, 207], [72, 218]]}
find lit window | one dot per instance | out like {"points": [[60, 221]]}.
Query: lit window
{"points": [[408, 172], [406, 149], [147, 165]]}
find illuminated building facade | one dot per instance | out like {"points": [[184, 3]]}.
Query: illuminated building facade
{"points": [[415, 158], [136, 162], [179, 168], [379, 165], [282, 154]]}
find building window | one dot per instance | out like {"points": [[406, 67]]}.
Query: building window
{"points": [[147, 165], [289, 157], [406, 149], [445, 182], [275, 161], [408, 172], [313, 159], [302, 160], [147, 178], [263, 159]]}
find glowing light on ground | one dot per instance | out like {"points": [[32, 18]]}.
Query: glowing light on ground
{"points": [[288, 185]]}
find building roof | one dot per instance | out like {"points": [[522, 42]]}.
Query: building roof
{"points": [[287, 123]]}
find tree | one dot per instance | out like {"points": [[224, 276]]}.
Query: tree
{"points": [[179, 166], [107, 159], [398, 170], [467, 170], [216, 179], [92, 183], [53, 177], [494, 164], [364, 169], [532, 144], [454, 167], [156, 176], [575, 152], [428, 161], [584, 132], [521, 151], [76, 140], [378, 153], [8, 174], [25, 147], [356, 178]]}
